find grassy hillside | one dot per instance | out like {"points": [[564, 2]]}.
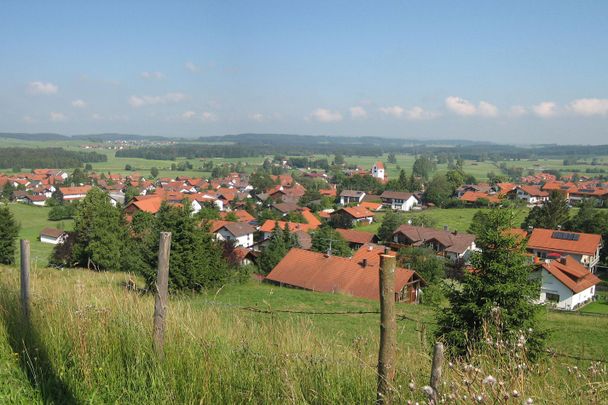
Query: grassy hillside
{"points": [[33, 219], [89, 341]]}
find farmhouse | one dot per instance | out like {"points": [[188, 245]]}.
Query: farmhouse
{"points": [[240, 233], [398, 200], [319, 272], [351, 196], [355, 238], [565, 283], [532, 195], [52, 236], [39, 200], [452, 245], [74, 193], [584, 247], [354, 214]]}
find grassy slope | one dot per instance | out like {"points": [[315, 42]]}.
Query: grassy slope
{"points": [[33, 219], [93, 341], [458, 219]]}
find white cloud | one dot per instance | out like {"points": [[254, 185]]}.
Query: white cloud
{"points": [[152, 75], [358, 112], [460, 106], [589, 106], [258, 117], [188, 114], [207, 116], [546, 109], [394, 111], [57, 116], [487, 110], [42, 88], [140, 101], [517, 111], [419, 113], [79, 103], [190, 66], [325, 115], [415, 113]]}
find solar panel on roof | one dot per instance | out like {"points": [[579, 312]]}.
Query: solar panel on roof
{"points": [[565, 235]]}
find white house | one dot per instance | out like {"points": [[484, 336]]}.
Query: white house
{"points": [[52, 236], [39, 200], [378, 170], [532, 195], [565, 283], [584, 247], [240, 233], [74, 193], [398, 200], [351, 196]]}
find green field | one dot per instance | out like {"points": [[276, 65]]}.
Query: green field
{"points": [[89, 341], [32, 220], [456, 219], [598, 307]]}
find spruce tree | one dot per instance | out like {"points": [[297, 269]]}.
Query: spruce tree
{"points": [[100, 233], [496, 299], [553, 214], [274, 251], [326, 237], [9, 230]]}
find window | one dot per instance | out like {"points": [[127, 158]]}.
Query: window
{"points": [[552, 297]]}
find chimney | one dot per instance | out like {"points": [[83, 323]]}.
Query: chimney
{"points": [[364, 263], [559, 227], [562, 260], [446, 228], [370, 248]]}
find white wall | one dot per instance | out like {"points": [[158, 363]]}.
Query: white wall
{"points": [[567, 298], [52, 241], [244, 241]]}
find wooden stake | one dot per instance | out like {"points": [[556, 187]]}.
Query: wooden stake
{"points": [[25, 277], [162, 287], [388, 329], [436, 370]]}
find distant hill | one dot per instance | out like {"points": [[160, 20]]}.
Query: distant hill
{"points": [[294, 139], [91, 137]]}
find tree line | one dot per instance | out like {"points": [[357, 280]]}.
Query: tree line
{"points": [[36, 158]]}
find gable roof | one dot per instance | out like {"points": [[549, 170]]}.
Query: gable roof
{"points": [[399, 195], [147, 203], [571, 273], [379, 165], [546, 239], [269, 225], [372, 206], [318, 272], [352, 193], [236, 228], [242, 215], [357, 212], [452, 242], [74, 190], [52, 232], [533, 191], [474, 196], [354, 236]]}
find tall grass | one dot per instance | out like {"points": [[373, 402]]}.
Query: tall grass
{"points": [[89, 340]]}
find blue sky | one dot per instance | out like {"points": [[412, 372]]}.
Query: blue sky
{"points": [[516, 71]]}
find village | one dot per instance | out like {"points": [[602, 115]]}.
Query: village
{"points": [[245, 211]]}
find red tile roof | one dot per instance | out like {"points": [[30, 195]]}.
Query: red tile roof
{"points": [[543, 239], [353, 236], [571, 273], [474, 196], [269, 225], [242, 215], [67, 191], [357, 212], [372, 206], [319, 272]]}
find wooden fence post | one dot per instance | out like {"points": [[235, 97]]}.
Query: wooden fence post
{"points": [[388, 329], [161, 293], [436, 371], [25, 277]]}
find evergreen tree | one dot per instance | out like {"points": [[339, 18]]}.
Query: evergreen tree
{"points": [[7, 191], [496, 300], [196, 260], [439, 190], [390, 223], [9, 230], [154, 172], [274, 251], [553, 214], [328, 240], [100, 233]]}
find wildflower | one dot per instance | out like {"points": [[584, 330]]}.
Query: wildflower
{"points": [[479, 398], [428, 390], [451, 365], [515, 394], [412, 385], [489, 380], [529, 401]]}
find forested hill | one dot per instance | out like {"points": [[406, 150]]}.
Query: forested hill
{"points": [[37, 158]]}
